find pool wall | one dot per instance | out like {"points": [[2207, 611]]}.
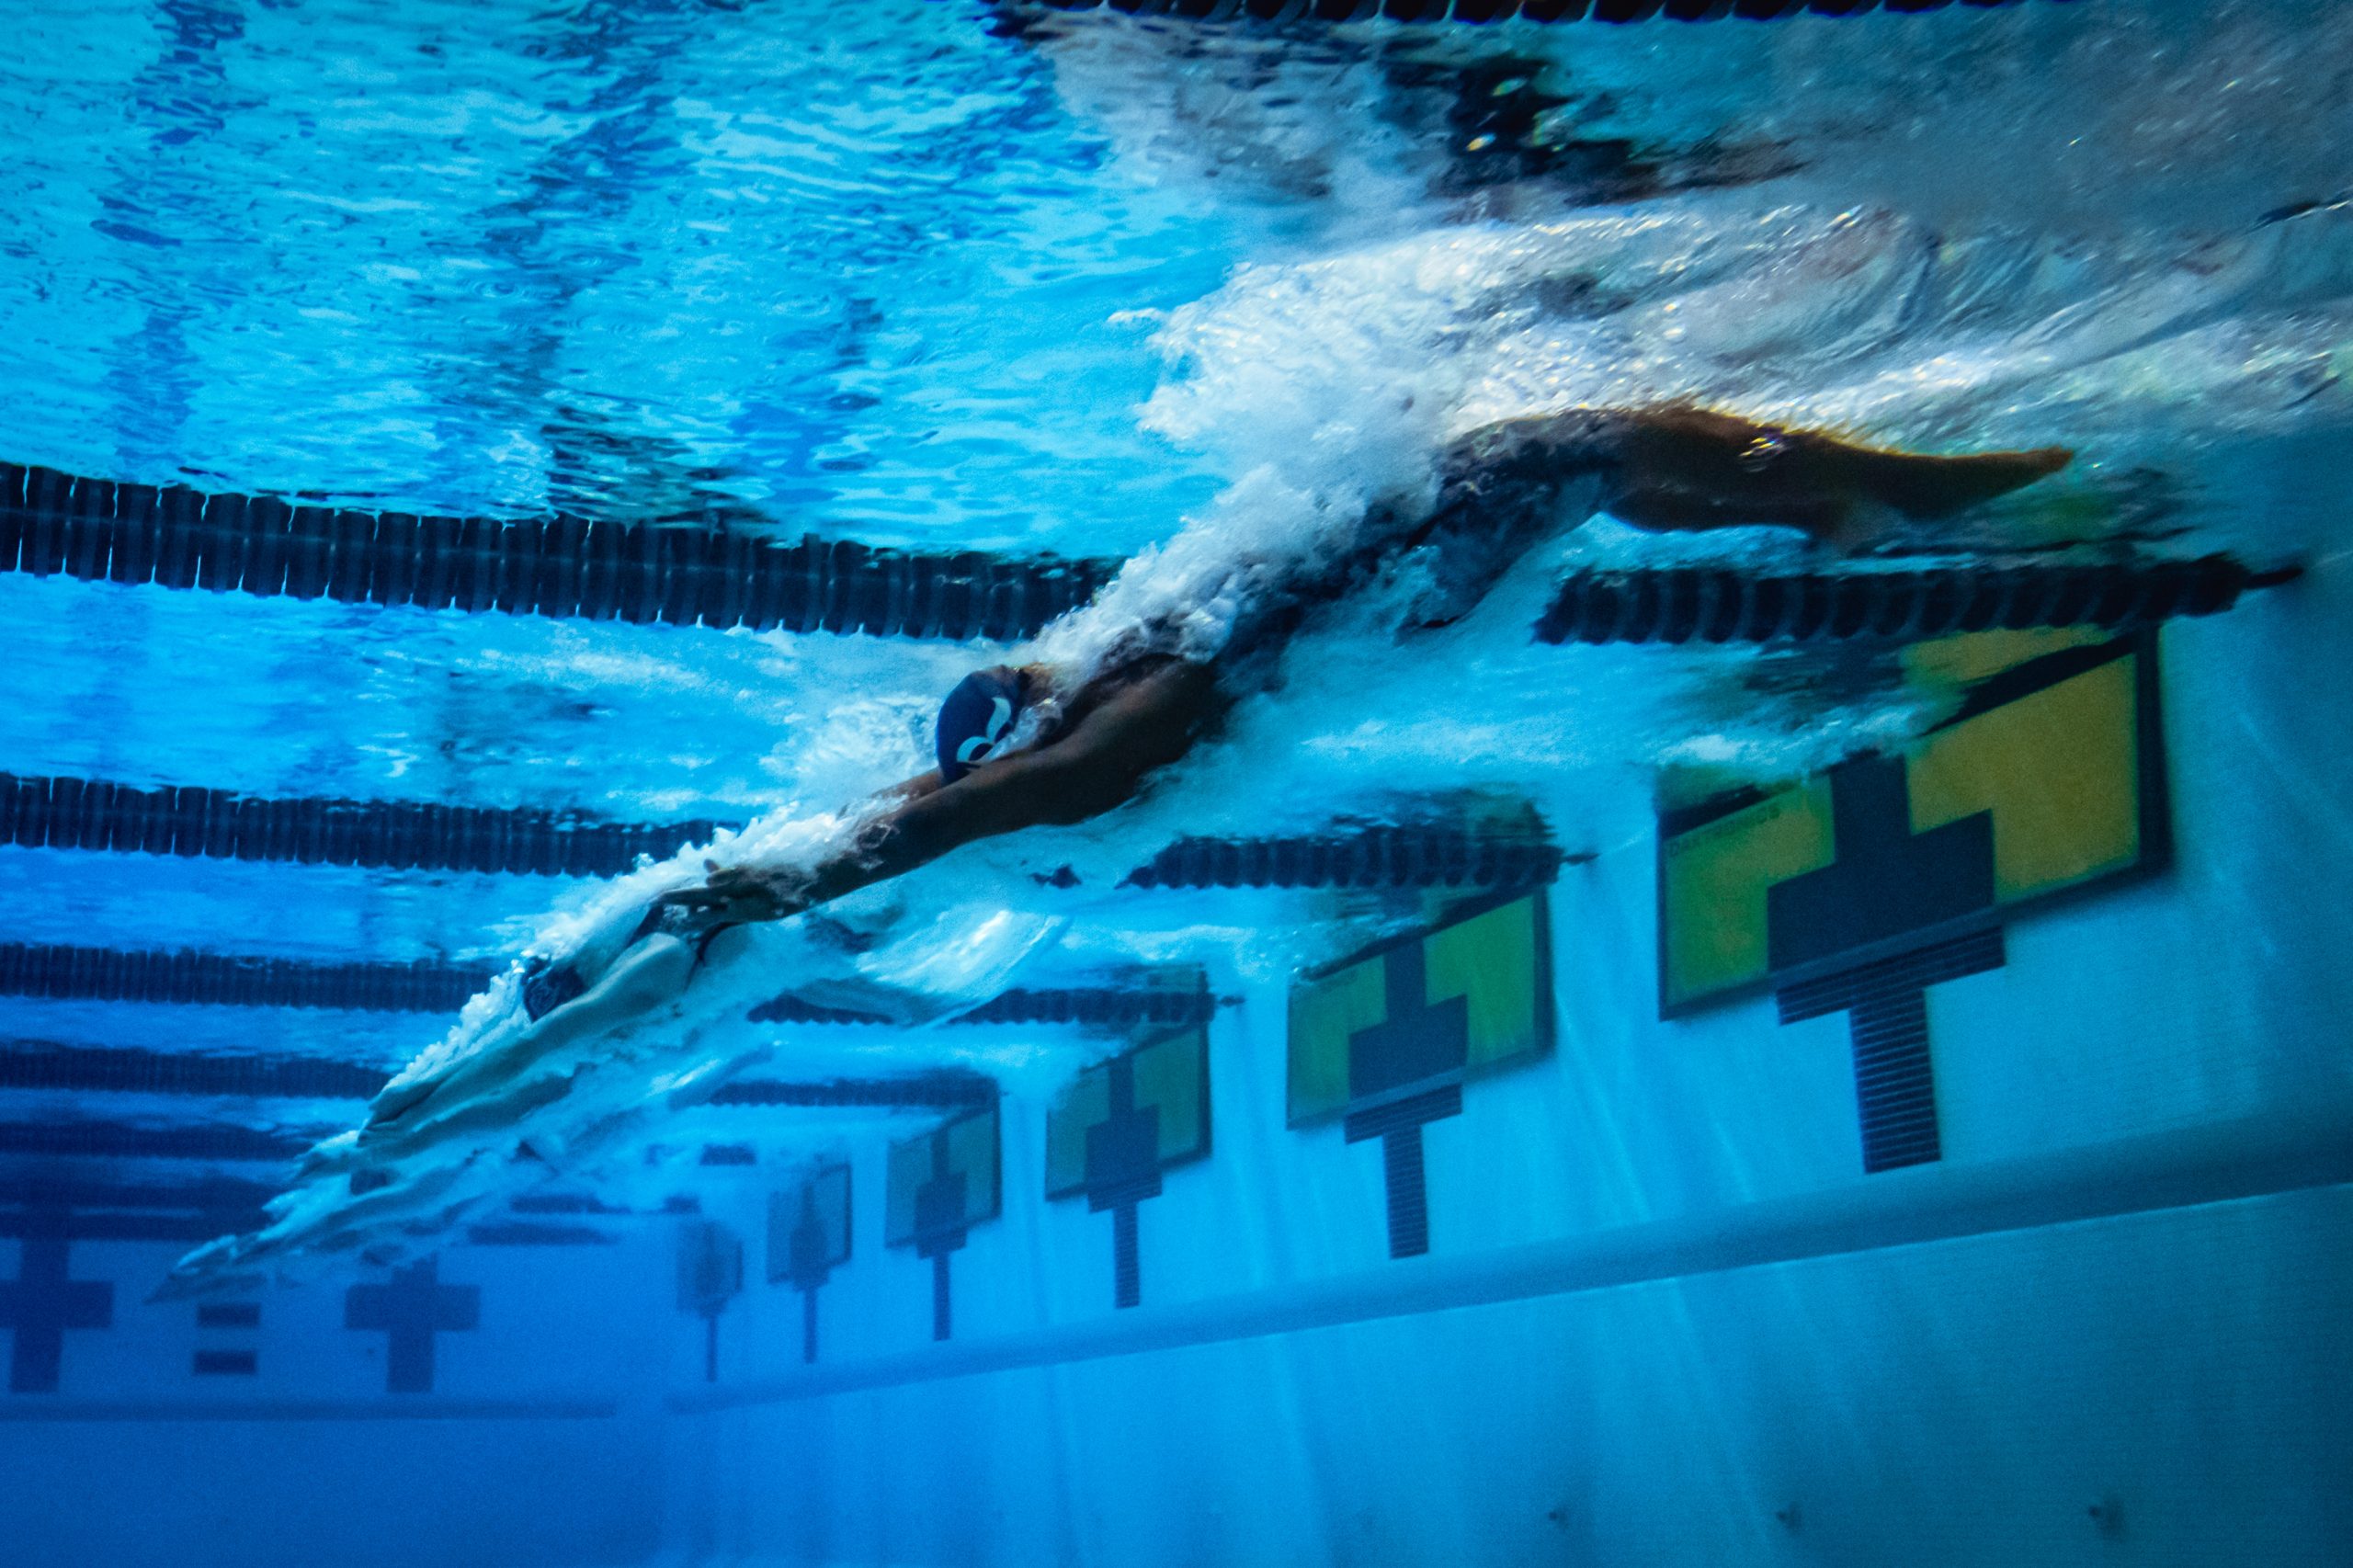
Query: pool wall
{"points": [[1665, 1315]]}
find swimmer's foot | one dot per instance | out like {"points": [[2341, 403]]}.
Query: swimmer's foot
{"points": [[549, 986], [1922, 486], [396, 1100]]}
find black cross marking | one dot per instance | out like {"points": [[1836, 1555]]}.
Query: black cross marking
{"points": [[1404, 1072], [1122, 1170], [44, 1304], [1887, 884], [810, 1262], [1887, 1018], [940, 1228], [411, 1308], [712, 1272]]}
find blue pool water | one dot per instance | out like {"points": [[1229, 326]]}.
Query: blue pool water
{"points": [[941, 276]]}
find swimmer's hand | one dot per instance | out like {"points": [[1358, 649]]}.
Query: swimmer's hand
{"points": [[730, 895]]}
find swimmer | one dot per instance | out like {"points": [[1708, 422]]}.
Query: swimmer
{"points": [[1503, 489], [558, 1065], [1023, 747]]}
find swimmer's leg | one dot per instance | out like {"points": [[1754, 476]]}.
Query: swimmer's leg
{"points": [[1688, 467], [653, 972]]}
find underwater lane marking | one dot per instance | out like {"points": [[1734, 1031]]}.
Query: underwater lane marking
{"points": [[412, 1409], [2262, 1156]]}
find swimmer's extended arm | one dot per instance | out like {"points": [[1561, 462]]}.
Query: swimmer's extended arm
{"points": [[1150, 721]]}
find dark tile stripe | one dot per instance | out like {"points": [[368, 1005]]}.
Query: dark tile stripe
{"points": [[1887, 1022], [1895, 1091], [1407, 1191]]}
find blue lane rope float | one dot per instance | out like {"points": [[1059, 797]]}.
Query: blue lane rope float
{"points": [[82, 813], [124, 1140], [1714, 604], [96, 815], [133, 1227], [1480, 11], [1103, 1007], [101, 974], [43, 1064], [39, 1066], [948, 1089], [526, 1233], [55, 524], [1409, 856], [190, 978], [43, 1190], [1096, 1007]]}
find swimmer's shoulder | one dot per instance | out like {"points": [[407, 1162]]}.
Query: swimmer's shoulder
{"points": [[1116, 678]]}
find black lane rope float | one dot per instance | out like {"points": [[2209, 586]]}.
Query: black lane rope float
{"points": [[37, 1066], [44, 1064], [94, 814], [527, 1234], [190, 978], [1477, 11], [1086, 1006], [1716, 604], [55, 524], [125, 1141], [104, 974], [83, 813], [945, 1089], [1412, 856], [44, 1190], [107, 1226], [1095, 1006]]}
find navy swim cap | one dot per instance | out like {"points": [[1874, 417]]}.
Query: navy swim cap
{"points": [[975, 719]]}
